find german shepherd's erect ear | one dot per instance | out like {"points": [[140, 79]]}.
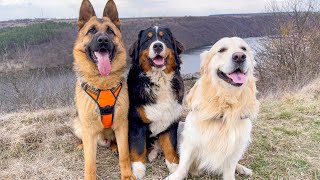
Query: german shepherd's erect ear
{"points": [[86, 12], [111, 12]]}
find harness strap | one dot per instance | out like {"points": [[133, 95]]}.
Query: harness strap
{"points": [[106, 100]]}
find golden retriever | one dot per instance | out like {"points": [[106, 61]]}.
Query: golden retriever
{"points": [[223, 103]]}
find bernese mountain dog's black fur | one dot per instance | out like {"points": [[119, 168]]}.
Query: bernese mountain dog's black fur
{"points": [[156, 92]]}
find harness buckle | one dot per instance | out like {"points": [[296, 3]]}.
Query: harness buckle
{"points": [[106, 110]]}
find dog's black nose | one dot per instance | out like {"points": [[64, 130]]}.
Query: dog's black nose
{"points": [[238, 57], [102, 39], [158, 47]]}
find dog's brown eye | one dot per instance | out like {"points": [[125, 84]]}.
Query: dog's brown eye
{"points": [[92, 30], [150, 34], [222, 50], [243, 48], [110, 31]]}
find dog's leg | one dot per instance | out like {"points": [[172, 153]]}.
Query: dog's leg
{"points": [[153, 154], [114, 146], [243, 170], [138, 162], [89, 139], [168, 144], [229, 169], [123, 148], [186, 160], [194, 171], [138, 151]]}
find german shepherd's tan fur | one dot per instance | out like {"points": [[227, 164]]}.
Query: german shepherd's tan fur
{"points": [[88, 125]]}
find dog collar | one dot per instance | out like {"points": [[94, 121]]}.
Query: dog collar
{"points": [[105, 99]]}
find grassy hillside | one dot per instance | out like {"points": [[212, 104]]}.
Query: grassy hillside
{"points": [[40, 145], [48, 44], [29, 35]]}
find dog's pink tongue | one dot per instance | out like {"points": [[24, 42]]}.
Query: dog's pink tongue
{"points": [[158, 60], [237, 77], [104, 65]]}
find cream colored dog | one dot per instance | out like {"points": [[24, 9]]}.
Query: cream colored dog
{"points": [[223, 103]]}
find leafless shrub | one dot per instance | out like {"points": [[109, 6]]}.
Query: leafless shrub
{"points": [[290, 59], [36, 89]]}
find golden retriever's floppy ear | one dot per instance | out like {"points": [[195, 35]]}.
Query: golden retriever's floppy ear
{"points": [[205, 59], [190, 95], [86, 12], [111, 12]]}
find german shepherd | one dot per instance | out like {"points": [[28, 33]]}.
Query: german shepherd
{"points": [[100, 65]]}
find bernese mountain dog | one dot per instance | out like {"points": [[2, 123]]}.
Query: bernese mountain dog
{"points": [[156, 92]]}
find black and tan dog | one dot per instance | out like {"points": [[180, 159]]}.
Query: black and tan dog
{"points": [[101, 90], [155, 91]]}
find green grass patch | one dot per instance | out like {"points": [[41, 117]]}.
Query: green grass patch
{"points": [[286, 131], [285, 115], [29, 35]]}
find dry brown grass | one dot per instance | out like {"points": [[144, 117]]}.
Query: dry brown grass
{"points": [[286, 136]]}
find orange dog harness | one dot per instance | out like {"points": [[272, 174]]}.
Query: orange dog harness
{"points": [[106, 100]]}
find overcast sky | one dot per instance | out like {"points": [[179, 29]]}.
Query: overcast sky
{"points": [[19, 9]]}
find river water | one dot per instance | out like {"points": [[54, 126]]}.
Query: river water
{"points": [[191, 59]]}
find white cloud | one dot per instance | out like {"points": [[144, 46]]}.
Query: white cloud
{"points": [[17, 9], [12, 2]]}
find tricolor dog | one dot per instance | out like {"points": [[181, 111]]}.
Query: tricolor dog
{"points": [[156, 92]]}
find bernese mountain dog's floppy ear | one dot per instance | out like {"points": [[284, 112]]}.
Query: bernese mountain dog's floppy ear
{"points": [[179, 48], [134, 49]]}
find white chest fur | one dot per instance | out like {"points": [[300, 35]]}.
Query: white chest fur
{"points": [[166, 110], [218, 144]]}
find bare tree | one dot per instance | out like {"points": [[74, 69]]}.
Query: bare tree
{"points": [[290, 59]]}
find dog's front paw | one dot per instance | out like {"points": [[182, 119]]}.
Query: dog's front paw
{"points": [[243, 170], [172, 167], [138, 169], [128, 177], [169, 177], [174, 176], [153, 155]]}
